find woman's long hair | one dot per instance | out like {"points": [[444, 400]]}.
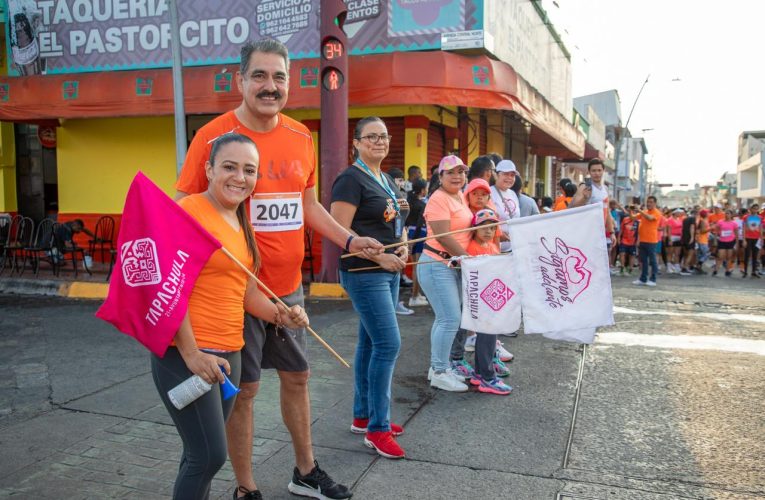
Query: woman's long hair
{"points": [[241, 210]]}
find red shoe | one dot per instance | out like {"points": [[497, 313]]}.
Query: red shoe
{"points": [[385, 444], [359, 426]]}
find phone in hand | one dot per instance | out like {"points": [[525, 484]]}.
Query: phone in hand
{"points": [[588, 182]]}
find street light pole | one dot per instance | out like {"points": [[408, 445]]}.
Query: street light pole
{"points": [[620, 138]]}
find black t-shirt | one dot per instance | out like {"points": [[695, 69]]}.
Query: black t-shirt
{"points": [[372, 203], [688, 222]]}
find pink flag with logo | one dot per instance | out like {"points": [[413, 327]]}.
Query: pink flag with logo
{"points": [[160, 252], [565, 283], [490, 300]]}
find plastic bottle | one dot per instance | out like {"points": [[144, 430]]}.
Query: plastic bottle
{"points": [[188, 391]]}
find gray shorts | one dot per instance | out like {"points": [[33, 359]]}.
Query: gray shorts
{"points": [[266, 347]]}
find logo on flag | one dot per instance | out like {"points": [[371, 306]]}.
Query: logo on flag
{"points": [[497, 294], [563, 272], [140, 266]]}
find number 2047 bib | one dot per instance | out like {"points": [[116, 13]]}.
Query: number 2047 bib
{"points": [[271, 212]]}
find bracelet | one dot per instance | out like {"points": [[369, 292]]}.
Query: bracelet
{"points": [[348, 243]]}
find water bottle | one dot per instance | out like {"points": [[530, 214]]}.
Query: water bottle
{"points": [[188, 391]]}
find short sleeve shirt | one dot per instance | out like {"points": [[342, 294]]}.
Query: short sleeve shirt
{"points": [[441, 207], [752, 226], [374, 215], [287, 169], [648, 231]]}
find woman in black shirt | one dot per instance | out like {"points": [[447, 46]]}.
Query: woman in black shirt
{"points": [[365, 200]]}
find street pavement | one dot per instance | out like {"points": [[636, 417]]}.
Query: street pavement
{"points": [[666, 404]]}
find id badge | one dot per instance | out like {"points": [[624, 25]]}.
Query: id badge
{"points": [[398, 226]]}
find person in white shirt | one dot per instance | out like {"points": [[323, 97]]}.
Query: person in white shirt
{"points": [[504, 198], [596, 192]]}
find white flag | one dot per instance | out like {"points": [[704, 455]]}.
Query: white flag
{"points": [[565, 284], [490, 304]]}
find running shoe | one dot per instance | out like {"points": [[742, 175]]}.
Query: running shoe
{"points": [[494, 386], [499, 368], [470, 343], [650, 283], [638, 282], [456, 375], [317, 484], [402, 309], [359, 426], [248, 494], [728, 273], [417, 301], [503, 354], [463, 368], [448, 382], [685, 272], [385, 444]]}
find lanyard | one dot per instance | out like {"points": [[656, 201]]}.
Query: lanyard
{"points": [[379, 180]]}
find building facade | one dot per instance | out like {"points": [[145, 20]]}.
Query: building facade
{"points": [[750, 173]]}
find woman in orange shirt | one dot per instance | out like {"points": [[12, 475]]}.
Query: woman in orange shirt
{"points": [[210, 338]]}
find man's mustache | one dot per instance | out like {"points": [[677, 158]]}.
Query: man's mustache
{"points": [[276, 94]]}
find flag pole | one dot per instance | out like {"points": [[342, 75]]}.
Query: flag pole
{"points": [[276, 297], [370, 268], [400, 243]]}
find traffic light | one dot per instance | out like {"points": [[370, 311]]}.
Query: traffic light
{"points": [[334, 56]]}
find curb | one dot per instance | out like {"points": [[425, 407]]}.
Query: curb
{"points": [[73, 289], [327, 290]]}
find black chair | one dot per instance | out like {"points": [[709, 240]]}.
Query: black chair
{"points": [[20, 237], [6, 223], [42, 248], [103, 237], [67, 248]]}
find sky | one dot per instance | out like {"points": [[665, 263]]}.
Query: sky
{"points": [[707, 74]]}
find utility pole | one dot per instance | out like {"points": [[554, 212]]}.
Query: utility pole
{"points": [[620, 137], [333, 133], [179, 108]]}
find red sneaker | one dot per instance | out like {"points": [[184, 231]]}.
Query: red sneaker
{"points": [[385, 444], [359, 426]]}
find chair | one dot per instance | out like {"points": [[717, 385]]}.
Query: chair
{"points": [[6, 222], [103, 236], [42, 248], [64, 248], [19, 238]]}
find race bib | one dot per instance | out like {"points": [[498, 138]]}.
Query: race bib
{"points": [[726, 233], [271, 212]]}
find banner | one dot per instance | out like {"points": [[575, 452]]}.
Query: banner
{"points": [[489, 302], [75, 36], [160, 252], [565, 284]]}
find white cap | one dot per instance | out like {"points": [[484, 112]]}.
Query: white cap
{"points": [[506, 166]]}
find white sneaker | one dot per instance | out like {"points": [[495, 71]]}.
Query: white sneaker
{"points": [[402, 309], [503, 354], [638, 282], [455, 374], [470, 343], [650, 283], [447, 382], [418, 300]]}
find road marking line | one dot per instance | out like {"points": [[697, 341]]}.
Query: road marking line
{"points": [[700, 342], [716, 316]]}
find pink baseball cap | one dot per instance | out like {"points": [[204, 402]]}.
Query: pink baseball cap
{"points": [[477, 184], [484, 215], [449, 162]]}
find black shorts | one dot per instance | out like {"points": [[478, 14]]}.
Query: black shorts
{"points": [[267, 347], [726, 245]]}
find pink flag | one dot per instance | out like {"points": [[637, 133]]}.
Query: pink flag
{"points": [[160, 252]]}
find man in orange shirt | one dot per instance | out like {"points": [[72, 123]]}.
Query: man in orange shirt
{"points": [[648, 236], [283, 202]]}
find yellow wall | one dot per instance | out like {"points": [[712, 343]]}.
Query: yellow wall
{"points": [[495, 139], [415, 154], [8, 201], [98, 158]]}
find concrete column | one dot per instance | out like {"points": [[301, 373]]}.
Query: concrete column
{"points": [[416, 142]]}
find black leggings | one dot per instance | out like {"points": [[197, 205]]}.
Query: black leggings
{"points": [[751, 253], [485, 349], [201, 424]]}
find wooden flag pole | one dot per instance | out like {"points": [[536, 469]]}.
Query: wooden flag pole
{"points": [[275, 297], [370, 268], [456, 231]]}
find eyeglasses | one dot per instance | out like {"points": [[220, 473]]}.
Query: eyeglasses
{"points": [[376, 138]]}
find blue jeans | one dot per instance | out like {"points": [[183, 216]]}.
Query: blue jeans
{"points": [[443, 287], [374, 297], [703, 253], [647, 253]]}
